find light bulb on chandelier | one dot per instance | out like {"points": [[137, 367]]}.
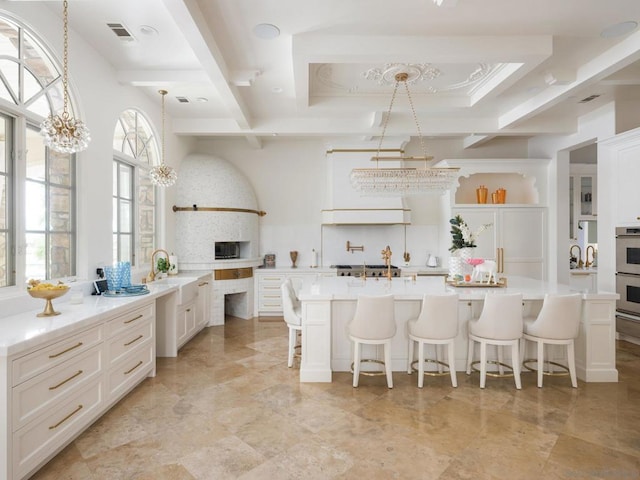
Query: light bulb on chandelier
{"points": [[163, 175], [62, 132]]}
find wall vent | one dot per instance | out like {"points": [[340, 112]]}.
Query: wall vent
{"points": [[182, 99], [121, 31], [589, 98]]}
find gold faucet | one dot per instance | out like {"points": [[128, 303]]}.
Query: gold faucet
{"points": [[386, 256], [593, 256], [152, 274], [580, 262]]}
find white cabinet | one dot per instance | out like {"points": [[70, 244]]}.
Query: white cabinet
{"points": [[130, 350], [56, 388], [178, 319], [268, 301], [516, 239], [203, 305], [628, 170]]}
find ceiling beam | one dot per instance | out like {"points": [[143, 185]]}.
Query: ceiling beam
{"points": [[156, 78], [193, 24], [617, 57]]}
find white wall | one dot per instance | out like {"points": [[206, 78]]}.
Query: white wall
{"points": [[289, 177]]}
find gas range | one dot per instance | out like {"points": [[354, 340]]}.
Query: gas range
{"points": [[370, 270]]}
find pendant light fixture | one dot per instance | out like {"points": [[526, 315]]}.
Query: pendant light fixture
{"points": [[401, 181], [64, 133], [163, 175]]}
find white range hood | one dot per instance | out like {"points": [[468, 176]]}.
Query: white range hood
{"points": [[347, 206]]}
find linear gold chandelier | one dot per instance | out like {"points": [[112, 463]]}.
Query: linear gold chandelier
{"points": [[401, 181], [64, 133]]}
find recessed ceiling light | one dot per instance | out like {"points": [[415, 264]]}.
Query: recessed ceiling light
{"points": [[276, 89], [619, 29], [148, 30], [202, 99], [266, 31]]}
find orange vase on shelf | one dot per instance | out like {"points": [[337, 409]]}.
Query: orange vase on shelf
{"points": [[494, 197], [481, 194], [502, 195]]}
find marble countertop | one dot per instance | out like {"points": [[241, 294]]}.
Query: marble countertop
{"points": [[24, 330], [405, 288]]}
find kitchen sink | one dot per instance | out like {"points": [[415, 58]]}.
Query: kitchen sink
{"points": [[187, 287]]}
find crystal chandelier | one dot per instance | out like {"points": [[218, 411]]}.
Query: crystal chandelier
{"points": [[163, 175], [401, 181], [62, 132]]}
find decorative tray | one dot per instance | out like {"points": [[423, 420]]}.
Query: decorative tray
{"points": [[132, 291], [502, 282]]}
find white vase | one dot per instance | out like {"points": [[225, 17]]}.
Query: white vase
{"points": [[458, 266]]}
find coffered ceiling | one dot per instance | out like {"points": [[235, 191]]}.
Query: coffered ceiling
{"points": [[478, 69]]}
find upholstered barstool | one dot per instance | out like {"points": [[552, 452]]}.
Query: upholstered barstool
{"points": [[292, 316], [436, 325], [374, 324], [500, 324], [557, 324]]}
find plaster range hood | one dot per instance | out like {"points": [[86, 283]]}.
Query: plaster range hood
{"points": [[347, 206]]}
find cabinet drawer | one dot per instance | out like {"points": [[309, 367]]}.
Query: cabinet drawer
{"points": [[271, 301], [130, 370], [128, 341], [41, 393], [276, 280], [30, 365], [130, 319], [38, 439]]}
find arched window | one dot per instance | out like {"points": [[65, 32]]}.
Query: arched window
{"points": [[136, 151], [38, 233]]}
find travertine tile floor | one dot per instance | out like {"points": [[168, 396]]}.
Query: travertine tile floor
{"points": [[228, 407]]}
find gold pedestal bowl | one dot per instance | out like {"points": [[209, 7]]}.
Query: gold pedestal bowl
{"points": [[48, 295]]}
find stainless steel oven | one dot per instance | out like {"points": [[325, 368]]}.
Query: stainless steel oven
{"points": [[628, 250], [628, 280]]}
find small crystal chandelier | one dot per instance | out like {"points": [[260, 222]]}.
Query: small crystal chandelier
{"points": [[163, 175], [402, 181], [62, 132]]}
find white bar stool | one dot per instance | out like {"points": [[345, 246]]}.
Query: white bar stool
{"points": [[374, 324], [292, 312], [500, 324], [557, 324], [436, 325]]}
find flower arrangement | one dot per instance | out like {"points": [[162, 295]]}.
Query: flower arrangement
{"points": [[461, 234]]}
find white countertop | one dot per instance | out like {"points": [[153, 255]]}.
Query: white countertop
{"points": [[404, 288], [24, 330]]}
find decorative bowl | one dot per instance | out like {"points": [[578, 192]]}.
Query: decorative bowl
{"points": [[48, 294]]}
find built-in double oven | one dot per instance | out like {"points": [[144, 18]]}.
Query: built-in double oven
{"points": [[628, 280]]}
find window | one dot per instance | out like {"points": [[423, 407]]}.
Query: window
{"points": [[37, 186], [134, 196]]}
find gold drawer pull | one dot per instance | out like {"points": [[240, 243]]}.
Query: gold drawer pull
{"points": [[203, 284], [65, 351], [134, 319], [129, 371], [134, 340], [79, 372], [52, 427]]}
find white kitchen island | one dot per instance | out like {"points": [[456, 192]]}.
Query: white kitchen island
{"points": [[328, 305]]}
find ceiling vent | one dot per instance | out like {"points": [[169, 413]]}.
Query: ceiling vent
{"points": [[589, 98], [121, 32], [182, 99]]}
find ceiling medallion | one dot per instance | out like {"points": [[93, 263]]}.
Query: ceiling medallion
{"points": [[416, 72]]}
